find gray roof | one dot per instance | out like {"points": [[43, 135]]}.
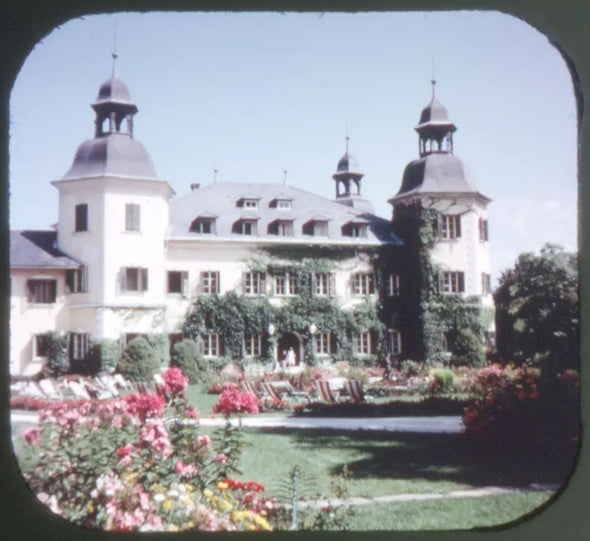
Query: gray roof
{"points": [[114, 90], [37, 249], [436, 173], [348, 164], [434, 114], [219, 199], [115, 154]]}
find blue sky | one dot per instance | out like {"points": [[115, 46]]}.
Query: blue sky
{"points": [[254, 94]]}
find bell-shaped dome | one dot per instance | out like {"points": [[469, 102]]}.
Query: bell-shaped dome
{"points": [[434, 113], [113, 90], [348, 164]]}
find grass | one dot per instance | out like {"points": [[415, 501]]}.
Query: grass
{"points": [[448, 514]]}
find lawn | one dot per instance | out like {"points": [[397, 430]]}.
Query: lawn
{"points": [[386, 463]]}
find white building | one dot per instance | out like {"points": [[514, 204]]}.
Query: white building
{"points": [[128, 258]]}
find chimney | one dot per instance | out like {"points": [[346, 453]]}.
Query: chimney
{"points": [[195, 186]]}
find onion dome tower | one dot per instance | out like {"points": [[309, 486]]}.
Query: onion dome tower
{"points": [[113, 151], [348, 182], [438, 171]]}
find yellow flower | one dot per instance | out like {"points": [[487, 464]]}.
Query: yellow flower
{"points": [[221, 485], [207, 493], [172, 528], [89, 507], [167, 505]]}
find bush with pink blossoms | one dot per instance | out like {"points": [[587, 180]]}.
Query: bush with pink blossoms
{"points": [[136, 463], [232, 401]]}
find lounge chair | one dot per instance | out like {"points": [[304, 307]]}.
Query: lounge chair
{"points": [[269, 389], [325, 392], [49, 390], [354, 389], [79, 391], [250, 388]]}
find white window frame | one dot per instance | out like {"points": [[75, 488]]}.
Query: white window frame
{"points": [[451, 282], [203, 226], [133, 217], [322, 343], [363, 283], [394, 285], [483, 230], [211, 344], [284, 204], [450, 226], [486, 283], [321, 285], [363, 343], [209, 282], [141, 278], [250, 203], [254, 283], [285, 285], [183, 277], [81, 224], [78, 346], [42, 290], [77, 280], [394, 341], [252, 345]]}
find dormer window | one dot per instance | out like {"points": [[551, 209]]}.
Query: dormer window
{"points": [[282, 228], [316, 228], [245, 226], [281, 203], [204, 225], [355, 229], [247, 203]]}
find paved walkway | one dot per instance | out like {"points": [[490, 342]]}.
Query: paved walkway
{"points": [[392, 498], [432, 425]]}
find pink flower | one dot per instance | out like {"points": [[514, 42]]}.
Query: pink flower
{"points": [[125, 450], [145, 405], [32, 436], [176, 382], [203, 441], [221, 458], [232, 400], [185, 470], [191, 412]]}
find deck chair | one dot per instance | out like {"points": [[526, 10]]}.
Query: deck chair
{"points": [[269, 389], [250, 388], [96, 390], [49, 390], [325, 392], [121, 381], [108, 384], [294, 394], [354, 389], [79, 391]]}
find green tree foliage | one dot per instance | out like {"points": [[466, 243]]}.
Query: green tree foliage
{"points": [[468, 350], [138, 361], [187, 357], [537, 310], [59, 360]]}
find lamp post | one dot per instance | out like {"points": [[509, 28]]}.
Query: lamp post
{"points": [[271, 331], [312, 330]]}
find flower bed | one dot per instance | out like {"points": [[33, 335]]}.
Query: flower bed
{"points": [[139, 463], [423, 407]]}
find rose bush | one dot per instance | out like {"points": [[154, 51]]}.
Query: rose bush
{"points": [[139, 463]]}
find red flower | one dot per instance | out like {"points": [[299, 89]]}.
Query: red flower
{"points": [[521, 395], [534, 394], [232, 400], [124, 451], [176, 382]]}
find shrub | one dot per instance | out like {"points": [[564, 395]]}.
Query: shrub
{"points": [[186, 356], [442, 381], [410, 368], [59, 360], [138, 361], [102, 356], [468, 350]]}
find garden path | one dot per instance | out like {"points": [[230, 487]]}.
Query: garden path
{"points": [[433, 425]]}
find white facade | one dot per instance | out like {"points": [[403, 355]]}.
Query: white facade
{"points": [[131, 262]]}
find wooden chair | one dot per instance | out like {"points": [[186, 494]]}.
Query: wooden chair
{"points": [[354, 389], [325, 392]]}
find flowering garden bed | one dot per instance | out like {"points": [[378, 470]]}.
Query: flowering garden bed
{"points": [[395, 408]]}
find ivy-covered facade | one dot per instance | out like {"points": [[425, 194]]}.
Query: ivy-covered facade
{"points": [[252, 272]]}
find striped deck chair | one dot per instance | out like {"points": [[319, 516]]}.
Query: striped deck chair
{"points": [[250, 388], [49, 390], [293, 393], [79, 390], [325, 392], [269, 389], [354, 389]]}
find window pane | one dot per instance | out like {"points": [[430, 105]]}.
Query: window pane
{"points": [[81, 217], [174, 282]]}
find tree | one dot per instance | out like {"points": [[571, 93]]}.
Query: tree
{"points": [[138, 361], [186, 356], [537, 310]]}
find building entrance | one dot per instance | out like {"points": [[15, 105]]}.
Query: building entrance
{"points": [[290, 341]]}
